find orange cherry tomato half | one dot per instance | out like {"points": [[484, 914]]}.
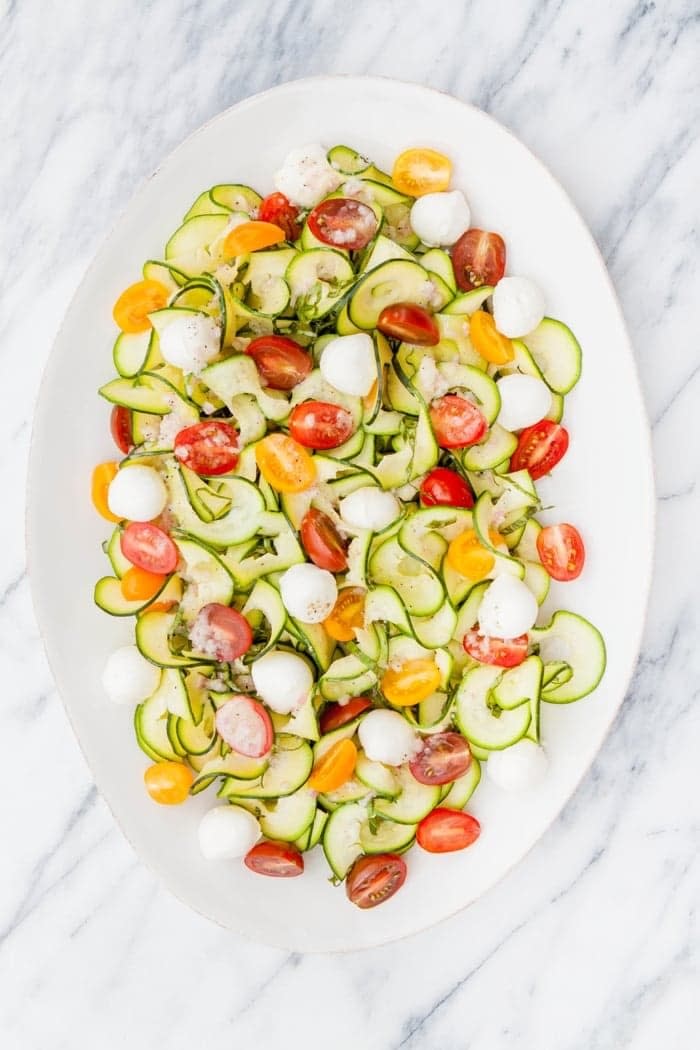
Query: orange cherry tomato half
{"points": [[443, 757], [343, 223], [445, 488], [561, 551], [148, 547], [245, 725], [320, 424], [540, 448], [410, 324], [221, 632], [322, 542], [488, 342], [281, 362], [120, 428], [466, 555], [208, 448], [373, 880], [347, 613], [251, 237], [280, 212], [337, 715], [447, 830], [335, 767], [168, 783], [280, 860], [478, 258], [456, 422], [285, 464], [419, 171], [133, 306], [102, 477], [410, 683], [139, 585], [498, 652]]}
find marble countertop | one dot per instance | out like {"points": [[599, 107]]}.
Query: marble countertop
{"points": [[593, 941]]}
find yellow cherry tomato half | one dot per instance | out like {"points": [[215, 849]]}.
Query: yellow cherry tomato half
{"points": [[488, 341], [410, 683], [419, 171], [347, 613], [467, 556], [335, 767], [102, 477], [140, 585], [251, 236], [133, 306], [168, 783], [285, 464]]}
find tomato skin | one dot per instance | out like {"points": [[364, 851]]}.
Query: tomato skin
{"points": [[373, 880], [322, 541], [410, 683], [410, 324], [280, 860], [561, 551], [148, 547], [168, 783], [246, 726], [540, 448], [281, 362], [447, 830], [251, 236], [443, 757], [456, 422], [445, 488], [209, 448], [497, 652], [136, 302], [102, 477], [343, 222], [347, 614], [337, 715], [120, 428], [284, 463], [495, 348], [335, 767], [139, 585], [478, 258], [281, 212], [466, 556], [230, 633], [320, 424], [419, 171]]}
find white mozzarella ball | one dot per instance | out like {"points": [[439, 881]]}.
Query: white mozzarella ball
{"points": [[524, 400], [349, 365], [128, 677], [519, 767], [137, 493], [518, 306], [227, 832], [370, 508], [508, 608], [308, 593], [190, 341], [387, 737], [440, 219], [283, 680], [306, 176]]}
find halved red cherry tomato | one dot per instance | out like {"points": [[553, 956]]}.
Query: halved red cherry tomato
{"points": [[120, 427], [443, 757], [498, 652], [337, 715], [457, 422], [322, 541], [446, 830], [478, 258], [445, 488], [221, 632], [540, 448], [208, 448], [281, 362], [149, 547], [320, 424], [281, 212], [343, 223], [277, 859], [245, 725], [561, 551], [347, 613], [372, 880], [410, 324]]}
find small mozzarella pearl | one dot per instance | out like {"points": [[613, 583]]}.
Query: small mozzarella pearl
{"points": [[128, 677], [137, 493], [227, 832]]}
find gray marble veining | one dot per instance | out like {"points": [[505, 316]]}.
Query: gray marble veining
{"points": [[592, 943]]}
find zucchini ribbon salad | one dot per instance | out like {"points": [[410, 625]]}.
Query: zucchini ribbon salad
{"points": [[332, 409]]}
